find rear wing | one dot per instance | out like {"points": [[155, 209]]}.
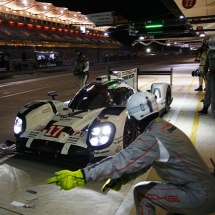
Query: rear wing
{"points": [[166, 72], [130, 77]]}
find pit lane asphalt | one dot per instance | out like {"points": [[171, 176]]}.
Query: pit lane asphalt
{"points": [[23, 180]]}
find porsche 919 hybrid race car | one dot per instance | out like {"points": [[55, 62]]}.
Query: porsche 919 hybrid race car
{"points": [[89, 127]]}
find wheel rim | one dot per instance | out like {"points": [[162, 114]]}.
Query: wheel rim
{"points": [[129, 133], [168, 100]]}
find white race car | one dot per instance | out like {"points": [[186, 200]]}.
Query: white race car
{"points": [[89, 127]]}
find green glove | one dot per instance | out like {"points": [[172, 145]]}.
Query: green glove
{"points": [[114, 184], [67, 179]]}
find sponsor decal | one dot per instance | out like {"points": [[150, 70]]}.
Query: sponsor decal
{"points": [[101, 152], [32, 134], [78, 117], [128, 77], [78, 133], [118, 148], [117, 141], [70, 115], [166, 126], [170, 130], [39, 128], [73, 140], [128, 72], [46, 110]]}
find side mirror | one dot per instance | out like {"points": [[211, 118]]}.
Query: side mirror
{"points": [[52, 94]]}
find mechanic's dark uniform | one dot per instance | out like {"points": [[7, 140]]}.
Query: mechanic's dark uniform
{"points": [[202, 78], [210, 70], [82, 71], [188, 187]]}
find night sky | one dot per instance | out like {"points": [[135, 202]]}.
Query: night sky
{"points": [[136, 10], [133, 10]]}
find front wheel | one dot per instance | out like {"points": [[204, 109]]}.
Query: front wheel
{"points": [[168, 100], [129, 133]]}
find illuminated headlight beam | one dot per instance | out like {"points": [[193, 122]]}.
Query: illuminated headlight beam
{"points": [[100, 135], [17, 125]]}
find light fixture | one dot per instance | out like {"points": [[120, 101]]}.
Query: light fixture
{"points": [[201, 34], [154, 26]]}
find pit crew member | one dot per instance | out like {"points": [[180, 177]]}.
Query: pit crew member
{"points": [[187, 186], [209, 69], [81, 69]]}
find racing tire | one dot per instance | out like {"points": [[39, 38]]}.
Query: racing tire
{"points": [[129, 134], [168, 100]]}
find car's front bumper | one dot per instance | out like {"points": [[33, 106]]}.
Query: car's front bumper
{"points": [[50, 150]]}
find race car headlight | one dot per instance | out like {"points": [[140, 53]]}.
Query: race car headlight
{"points": [[101, 135], [17, 125]]}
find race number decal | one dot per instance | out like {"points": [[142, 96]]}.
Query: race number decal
{"points": [[188, 3], [54, 131]]}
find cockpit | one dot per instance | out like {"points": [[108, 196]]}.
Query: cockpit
{"points": [[99, 96]]}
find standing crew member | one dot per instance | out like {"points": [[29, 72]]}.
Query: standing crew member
{"points": [[209, 69], [188, 187], [202, 77], [81, 69]]}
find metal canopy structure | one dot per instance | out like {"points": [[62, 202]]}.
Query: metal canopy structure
{"points": [[199, 16]]}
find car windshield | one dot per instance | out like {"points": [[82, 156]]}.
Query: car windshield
{"points": [[99, 98], [90, 100]]}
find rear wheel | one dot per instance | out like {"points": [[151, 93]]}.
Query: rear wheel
{"points": [[129, 133], [168, 100]]}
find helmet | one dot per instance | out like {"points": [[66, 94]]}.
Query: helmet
{"points": [[81, 56], [141, 105], [212, 42]]}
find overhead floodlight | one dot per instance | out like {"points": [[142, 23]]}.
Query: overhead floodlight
{"points": [[201, 34]]}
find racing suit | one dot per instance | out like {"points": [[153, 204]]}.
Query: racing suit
{"points": [[210, 64], [82, 72], [188, 186]]}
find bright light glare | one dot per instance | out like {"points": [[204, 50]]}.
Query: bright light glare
{"points": [[96, 131], [106, 130], [94, 141], [202, 34], [17, 125], [100, 135], [104, 140]]}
